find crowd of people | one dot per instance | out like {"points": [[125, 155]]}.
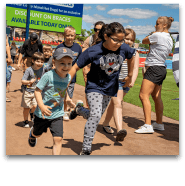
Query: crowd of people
{"points": [[110, 64]]}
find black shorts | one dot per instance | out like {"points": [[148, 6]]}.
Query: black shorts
{"points": [[156, 74], [55, 126]]}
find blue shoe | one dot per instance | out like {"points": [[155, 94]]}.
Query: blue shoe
{"points": [[32, 141]]}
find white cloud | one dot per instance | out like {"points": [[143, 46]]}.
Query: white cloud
{"points": [[87, 7], [174, 27], [172, 6], [96, 17], [142, 30], [135, 13], [100, 7]]}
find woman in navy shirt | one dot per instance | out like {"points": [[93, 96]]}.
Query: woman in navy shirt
{"points": [[102, 80]]}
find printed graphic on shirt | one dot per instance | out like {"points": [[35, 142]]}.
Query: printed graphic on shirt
{"points": [[110, 63], [33, 85], [75, 55]]}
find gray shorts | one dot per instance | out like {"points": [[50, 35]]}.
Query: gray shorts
{"points": [[70, 90]]}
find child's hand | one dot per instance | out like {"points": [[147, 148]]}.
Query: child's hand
{"points": [[45, 111], [127, 81], [32, 80]]}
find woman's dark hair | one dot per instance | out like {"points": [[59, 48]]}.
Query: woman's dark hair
{"points": [[99, 23], [109, 29]]}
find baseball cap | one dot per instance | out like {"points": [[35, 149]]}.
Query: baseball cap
{"points": [[33, 36], [62, 52]]}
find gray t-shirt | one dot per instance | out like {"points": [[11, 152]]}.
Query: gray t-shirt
{"points": [[30, 73], [161, 46]]}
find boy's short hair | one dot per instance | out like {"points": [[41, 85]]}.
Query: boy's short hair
{"points": [[38, 55], [47, 46], [69, 28]]}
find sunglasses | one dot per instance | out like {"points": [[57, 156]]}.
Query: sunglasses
{"points": [[96, 30]]}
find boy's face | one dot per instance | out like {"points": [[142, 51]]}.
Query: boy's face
{"points": [[37, 63], [47, 52], [69, 36], [63, 66]]}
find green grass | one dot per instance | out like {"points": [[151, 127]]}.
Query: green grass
{"points": [[169, 91]]}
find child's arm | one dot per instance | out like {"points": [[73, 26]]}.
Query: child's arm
{"points": [[136, 70], [73, 71], [128, 79], [44, 108], [28, 82]]}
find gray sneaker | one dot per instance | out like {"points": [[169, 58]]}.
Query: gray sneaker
{"points": [[157, 126]]}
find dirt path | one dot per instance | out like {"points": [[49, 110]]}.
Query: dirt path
{"points": [[160, 143]]}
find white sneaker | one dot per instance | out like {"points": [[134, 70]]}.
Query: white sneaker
{"points": [[157, 126], [145, 129], [66, 116]]}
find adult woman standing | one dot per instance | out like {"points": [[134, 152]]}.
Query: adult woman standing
{"points": [[160, 46], [102, 81]]}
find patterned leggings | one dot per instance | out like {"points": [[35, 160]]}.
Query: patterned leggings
{"points": [[97, 104]]}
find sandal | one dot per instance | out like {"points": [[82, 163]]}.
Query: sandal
{"points": [[108, 129], [8, 100], [121, 135]]}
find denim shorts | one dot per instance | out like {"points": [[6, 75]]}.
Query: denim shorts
{"points": [[125, 89]]}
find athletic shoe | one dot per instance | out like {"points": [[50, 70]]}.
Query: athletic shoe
{"points": [[83, 152], [73, 114], [32, 141], [66, 116], [26, 124], [145, 129], [157, 126], [121, 135], [31, 117]]}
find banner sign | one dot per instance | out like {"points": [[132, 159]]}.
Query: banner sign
{"points": [[49, 17]]}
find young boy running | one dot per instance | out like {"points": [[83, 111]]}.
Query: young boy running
{"points": [[30, 78], [50, 93], [69, 37]]}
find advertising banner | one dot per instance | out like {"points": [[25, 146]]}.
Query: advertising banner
{"points": [[49, 17]]}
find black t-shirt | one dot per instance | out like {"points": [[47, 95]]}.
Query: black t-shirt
{"points": [[28, 49], [105, 67]]}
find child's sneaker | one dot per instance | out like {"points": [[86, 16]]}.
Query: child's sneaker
{"points": [[121, 135], [145, 129], [26, 124], [66, 116], [31, 117], [32, 141], [73, 113], [83, 152], [157, 126]]}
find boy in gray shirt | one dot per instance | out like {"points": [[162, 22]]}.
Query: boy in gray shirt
{"points": [[30, 78]]}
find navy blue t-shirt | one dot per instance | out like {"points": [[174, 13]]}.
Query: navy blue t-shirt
{"points": [[105, 67], [77, 50]]}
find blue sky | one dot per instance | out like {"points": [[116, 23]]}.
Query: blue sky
{"points": [[140, 17]]}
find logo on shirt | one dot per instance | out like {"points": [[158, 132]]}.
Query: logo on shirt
{"points": [[111, 63]]}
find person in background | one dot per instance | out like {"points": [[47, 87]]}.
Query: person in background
{"points": [[30, 78], [13, 51], [9, 60], [160, 46], [30, 46]]}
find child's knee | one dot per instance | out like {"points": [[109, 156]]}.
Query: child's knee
{"points": [[57, 140]]}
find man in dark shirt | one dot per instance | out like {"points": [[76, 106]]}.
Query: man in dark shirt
{"points": [[29, 47]]}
